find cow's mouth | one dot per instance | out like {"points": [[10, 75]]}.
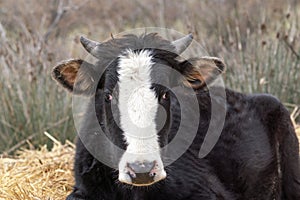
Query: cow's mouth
{"points": [[142, 179]]}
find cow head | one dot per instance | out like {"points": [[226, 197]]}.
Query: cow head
{"points": [[135, 86]]}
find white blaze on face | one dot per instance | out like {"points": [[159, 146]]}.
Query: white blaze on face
{"points": [[137, 102], [138, 105]]}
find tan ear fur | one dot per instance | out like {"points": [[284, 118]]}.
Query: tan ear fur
{"points": [[75, 75], [203, 71], [65, 73]]}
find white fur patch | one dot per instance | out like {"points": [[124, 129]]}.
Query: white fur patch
{"points": [[137, 102], [138, 106]]}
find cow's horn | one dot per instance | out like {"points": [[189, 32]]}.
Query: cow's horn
{"points": [[182, 43], [90, 45]]}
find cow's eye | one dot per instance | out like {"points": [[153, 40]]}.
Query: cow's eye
{"points": [[165, 96], [108, 97]]}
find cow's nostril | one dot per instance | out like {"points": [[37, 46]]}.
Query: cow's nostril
{"points": [[152, 174], [132, 174]]}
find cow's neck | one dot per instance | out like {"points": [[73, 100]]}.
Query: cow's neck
{"points": [[139, 195]]}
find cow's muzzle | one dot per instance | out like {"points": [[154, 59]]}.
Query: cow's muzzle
{"points": [[142, 173]]}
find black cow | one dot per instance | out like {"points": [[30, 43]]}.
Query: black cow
{"points": [[132, 84]]}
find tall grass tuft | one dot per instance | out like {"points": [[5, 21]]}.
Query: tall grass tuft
{"points": [[30, 101], [259, 41]]}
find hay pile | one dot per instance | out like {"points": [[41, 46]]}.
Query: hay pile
{"points": [[298, 132], [38, 174], [294, 115]]}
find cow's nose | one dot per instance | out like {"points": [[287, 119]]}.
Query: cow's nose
{"points": [[141, 167], [142, 173]]}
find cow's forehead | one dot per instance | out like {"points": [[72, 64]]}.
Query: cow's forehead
{"points": [[138, 61], [114, 47], [162, 54]]}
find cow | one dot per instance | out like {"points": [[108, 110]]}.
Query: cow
{"points": [[127, 88]]}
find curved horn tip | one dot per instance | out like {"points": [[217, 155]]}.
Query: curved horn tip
{"points": [[182, 43], [87, 43], [90, 45], [83, 40], [190, 35]]}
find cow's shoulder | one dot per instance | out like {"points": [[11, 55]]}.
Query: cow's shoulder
{"points": [[264, 104], [254, 114], [268, 107]]}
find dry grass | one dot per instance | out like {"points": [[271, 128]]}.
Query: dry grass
{"points": [[38, 174], [294, 115], [298, 132]]}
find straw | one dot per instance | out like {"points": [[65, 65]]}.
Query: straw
{"points": [[38, 174]]}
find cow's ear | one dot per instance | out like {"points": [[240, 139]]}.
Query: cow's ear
{"points": [[200, 72], [76, 75]]}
